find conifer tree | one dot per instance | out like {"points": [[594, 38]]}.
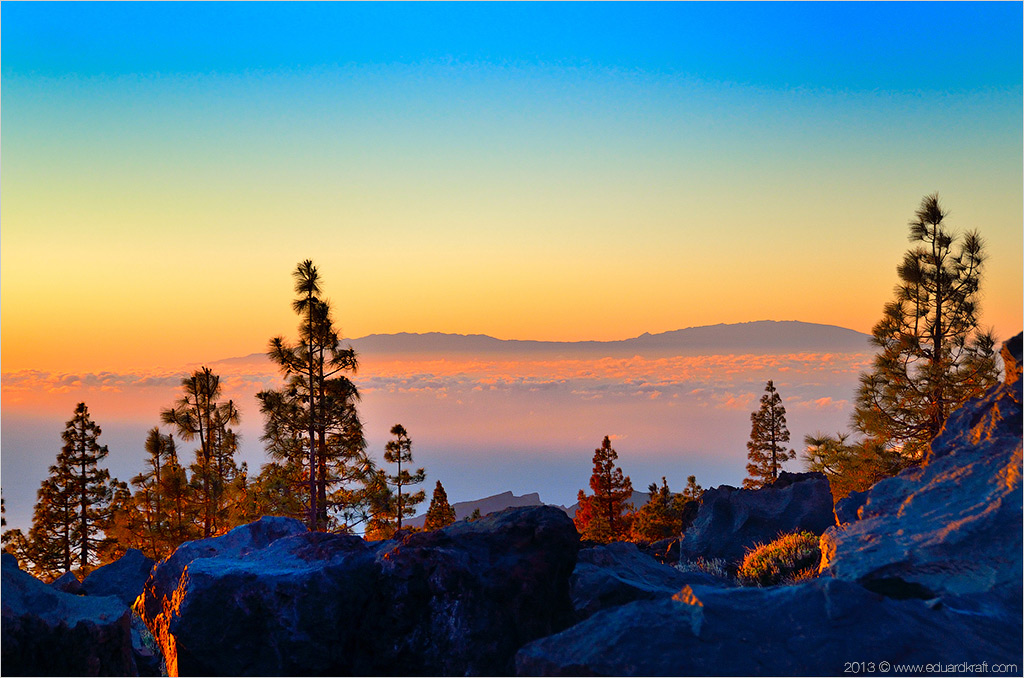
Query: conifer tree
{"points": [[768, 433], [199, 413], [92, 493], [666, 513], [932, 356], [603, 515], [398, 451], [72, 503], [440, 513], [381, 506], [313, 418]]}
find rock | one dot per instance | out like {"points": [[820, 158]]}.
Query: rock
{"points": [[994, 421], [159, 603], [618, 573], [822, 627], [48, 632], [848, 508], [732, 521], [460, 600], [665, 551], [123, 578], [68, 583], [954, 525]]}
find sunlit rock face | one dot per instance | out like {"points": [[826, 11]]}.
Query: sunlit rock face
{"points": [[823, 627], [619, 573], [47, 632], [459, 601], [952, 526], [731, 521]]}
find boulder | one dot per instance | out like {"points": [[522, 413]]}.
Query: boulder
{"points": [[158, 604], [952, 526], [732, 521], [68, 583], [48, 632], [665, 551], [460, 600], [619, 573], [123, 578], [822, 627]]}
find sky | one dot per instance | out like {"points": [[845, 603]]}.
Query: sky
{"points": [[530, 171]]}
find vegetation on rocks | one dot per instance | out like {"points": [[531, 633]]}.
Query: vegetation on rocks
{"points": [[790, 558]]}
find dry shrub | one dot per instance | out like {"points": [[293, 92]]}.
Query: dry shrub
{"points": [[789, 559]]}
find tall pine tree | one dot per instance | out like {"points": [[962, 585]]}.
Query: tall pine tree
{"points": [[768, 434], [604, 516], [397, 451], [932, 356], [312, 421], [199, 413]]}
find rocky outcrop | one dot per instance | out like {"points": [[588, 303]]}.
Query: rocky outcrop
{"points": [[123, 578], [48, 632], [732, 521], [954, 525], [68, 583], [823, 627], [460, 600], [619, 573]]}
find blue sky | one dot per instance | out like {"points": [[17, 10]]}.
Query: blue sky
{"points": [[945, 46]]}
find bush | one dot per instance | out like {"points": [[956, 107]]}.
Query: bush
{"points": [[787, 560]]}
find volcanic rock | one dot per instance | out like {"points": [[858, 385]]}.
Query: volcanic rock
{"points": [[822, 627], [48, 632], [732, 521], [123, 578], [68, 583], [460, 600], [619, 573]]}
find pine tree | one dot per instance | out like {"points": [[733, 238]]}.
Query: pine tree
{"points": [[666, 513], [92, 493], [314, 418], [768, 433], [440, 513], [602, 516], [199, 413], [932, 356], [398, 451], [381, 506]]}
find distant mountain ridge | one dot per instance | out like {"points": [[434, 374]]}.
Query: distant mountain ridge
{"points": [[763, 337]]}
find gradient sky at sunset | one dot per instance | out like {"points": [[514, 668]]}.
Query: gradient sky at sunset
{"points": [[532, 171], [563, 171]]}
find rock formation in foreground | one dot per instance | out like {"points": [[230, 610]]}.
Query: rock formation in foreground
{"points": [[271, 599], [47, 632]]}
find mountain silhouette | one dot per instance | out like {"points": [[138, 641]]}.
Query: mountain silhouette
{"points": [[762, 337]]}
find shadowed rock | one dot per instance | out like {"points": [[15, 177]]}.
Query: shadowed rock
{"points": [[459, 601], [123, 578], [816, 628], [954, 525], [48, 632], [732, 521], [68, 583], [618, 573]]}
